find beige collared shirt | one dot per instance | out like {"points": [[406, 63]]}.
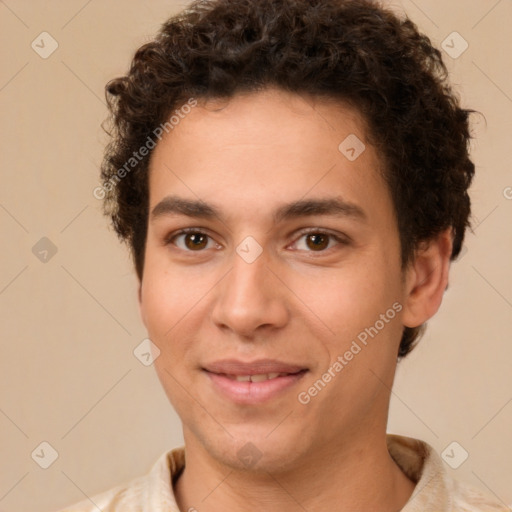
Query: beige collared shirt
{"points": [[435, 490]]}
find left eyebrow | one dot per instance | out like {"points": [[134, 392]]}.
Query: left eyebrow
{"points": [[330, 206]]}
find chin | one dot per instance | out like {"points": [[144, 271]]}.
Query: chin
{"points": [[256, 452]]}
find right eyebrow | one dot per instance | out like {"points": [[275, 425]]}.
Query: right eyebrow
{"points": [[173, 205]]}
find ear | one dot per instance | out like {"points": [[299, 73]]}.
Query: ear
{"points": [[426, 279]]}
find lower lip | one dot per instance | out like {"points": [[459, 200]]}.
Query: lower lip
{"points": [[254, 392]]}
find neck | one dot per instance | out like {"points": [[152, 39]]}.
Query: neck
{"points": [[359, 477]]}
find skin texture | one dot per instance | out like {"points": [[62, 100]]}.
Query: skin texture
{"points": [[248, 156]]}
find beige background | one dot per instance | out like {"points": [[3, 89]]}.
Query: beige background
{"points": [[69, 326]]}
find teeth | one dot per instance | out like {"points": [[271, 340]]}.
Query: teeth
{"points": [[257, 378]]}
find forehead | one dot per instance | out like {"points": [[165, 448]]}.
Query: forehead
{"points": [[267, 147], [271, 117]]}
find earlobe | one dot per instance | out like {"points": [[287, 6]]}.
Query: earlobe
{"points": [[427, 279]]}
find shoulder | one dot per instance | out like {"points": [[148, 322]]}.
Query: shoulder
{"points": [[126, 497], [435, 488], [467, 498], [153, 491]]}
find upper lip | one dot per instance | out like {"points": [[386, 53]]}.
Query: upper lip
{"points": [[258, 367]]}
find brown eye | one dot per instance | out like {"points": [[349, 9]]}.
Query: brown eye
{"points": [[191, 241], [317, 241], [196, 240]]}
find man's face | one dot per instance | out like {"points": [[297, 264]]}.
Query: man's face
{"points": [[263, 288]]}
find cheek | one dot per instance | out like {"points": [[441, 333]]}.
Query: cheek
{"points": [[358, 309], [173, 303], [161, 307], [354, 319], [165, 304], [345, 300], [167, 294]]}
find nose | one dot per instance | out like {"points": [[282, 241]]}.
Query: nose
{"points": [[250, 299]]}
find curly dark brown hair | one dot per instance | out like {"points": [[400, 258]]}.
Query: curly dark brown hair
{"points": [[355, 51]]}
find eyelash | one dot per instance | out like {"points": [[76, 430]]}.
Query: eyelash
{"points": [[317, 231]]}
